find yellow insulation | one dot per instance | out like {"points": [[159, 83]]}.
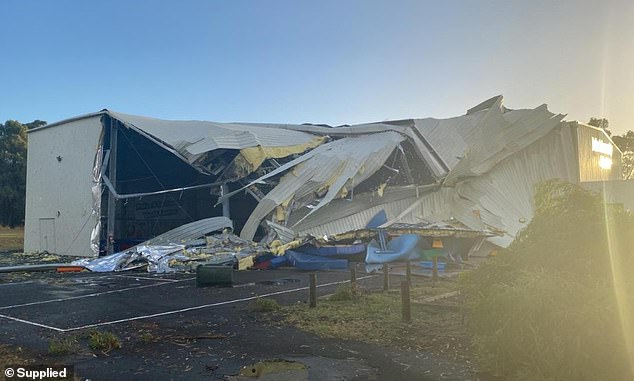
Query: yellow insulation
{"points": [[251, 158]]}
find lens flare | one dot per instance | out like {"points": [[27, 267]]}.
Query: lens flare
{"points": [[617, 255], [605, 162]]}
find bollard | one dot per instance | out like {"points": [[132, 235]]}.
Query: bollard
{"points": [[405, 302], [408, 273], [353, 276], [435, 270], [312, 296], [386, 277]]}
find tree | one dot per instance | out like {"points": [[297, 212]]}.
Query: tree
{"points": [[35, 124], [13, 170], [601, 123]]}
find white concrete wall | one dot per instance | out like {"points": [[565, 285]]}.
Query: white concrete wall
{"points": [[58, 193]]}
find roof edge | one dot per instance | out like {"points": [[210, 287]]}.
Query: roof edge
{"points": [[605, 134], [69, 120]]}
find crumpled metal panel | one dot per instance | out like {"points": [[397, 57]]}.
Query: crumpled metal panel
{"points": [[404, 127], [448, 135], [158, 251], [502, 198], [499, 135], [112, 262], [190, 231], [344, 162], [192, 138], [342, 216], [96, 196], [157, 258]]}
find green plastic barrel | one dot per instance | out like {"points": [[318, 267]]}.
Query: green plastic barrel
{"points": [[210, 275]]}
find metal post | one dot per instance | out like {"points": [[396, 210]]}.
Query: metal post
{"points": [[435, 269], [226, 209], [405, 302], [353, 276], [312, 296], [112, 175], [386, 277]]}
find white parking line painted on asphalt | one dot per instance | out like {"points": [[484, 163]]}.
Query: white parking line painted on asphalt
{"points": [[207, 305], [32, 323], [90, 295], [16, 283], [147, 278]]}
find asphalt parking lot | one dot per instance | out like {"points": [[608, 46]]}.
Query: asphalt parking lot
{"points": [[179, 317], [66, 302]]}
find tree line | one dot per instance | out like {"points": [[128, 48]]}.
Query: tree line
{"points": [[13, 170], [13, 145]]}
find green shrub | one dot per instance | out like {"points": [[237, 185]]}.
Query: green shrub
{"points": [[265, 305], [546, 307], [103, 341], [63, 346]]}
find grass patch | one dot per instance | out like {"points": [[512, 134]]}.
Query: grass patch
{"points": [[346, 292], [63, 346], [11, 239], [103, 342], [10, 355], [147, 337], [427, 289], [376, 318], [265, 305]]}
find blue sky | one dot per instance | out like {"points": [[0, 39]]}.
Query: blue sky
{"points": [[314, 61]]}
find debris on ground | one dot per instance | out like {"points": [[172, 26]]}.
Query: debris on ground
{"points": [[182, 249]]}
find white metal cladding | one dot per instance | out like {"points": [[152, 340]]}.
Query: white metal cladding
{"points": [[58, 191]]}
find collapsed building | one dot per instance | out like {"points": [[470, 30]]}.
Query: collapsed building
{"points": [[106, 181]]}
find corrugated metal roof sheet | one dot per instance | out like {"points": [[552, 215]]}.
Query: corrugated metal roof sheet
{"points": [[191, 231]]}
